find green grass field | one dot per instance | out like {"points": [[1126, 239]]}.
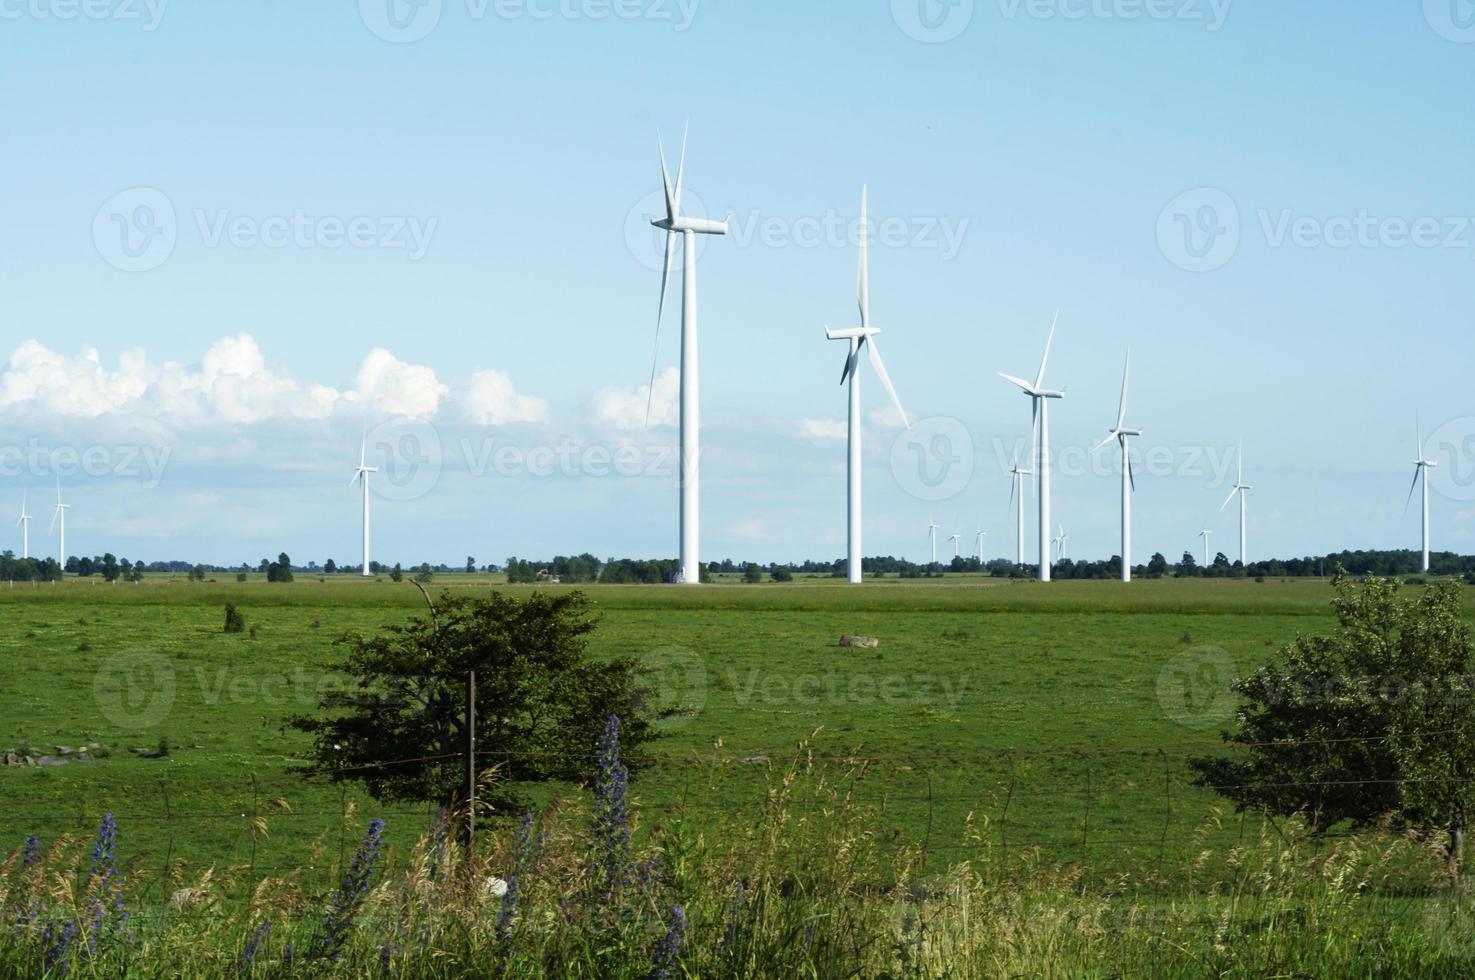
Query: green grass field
{"points": [[1060, 717]]}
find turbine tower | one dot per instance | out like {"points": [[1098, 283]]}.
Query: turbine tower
{"points": [[675, 223], [25, 529], [861, 337], [932, 527], [1016, 489], [361, 475], [1422, 466], [1123, 435], [1040, 397], [1206, 534], [1241, 489], [59, 522], [981, 535], [957, 540]]}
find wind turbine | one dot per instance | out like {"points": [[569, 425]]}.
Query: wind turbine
{"points": [[1206, 534], [675, 223], [1123, 435], [858, 338], [1241, 489], [1040, 421], [25, 529], [981, 535], [932, 527], [1061, 541], [59, 518], [361, 475], [1016, 489], [1422, 465], [957, 540]]}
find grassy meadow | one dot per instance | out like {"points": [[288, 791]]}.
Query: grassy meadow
{"points": [[1040, 731]]}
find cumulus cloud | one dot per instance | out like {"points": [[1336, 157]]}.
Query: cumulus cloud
{"points": [[233, 385], [822, 430], [886, 418], [623, 408], [491, 399]]}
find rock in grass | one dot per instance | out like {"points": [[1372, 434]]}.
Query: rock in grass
{"points": [[861, 642]]}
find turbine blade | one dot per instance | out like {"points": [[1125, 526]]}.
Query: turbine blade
{"points": [[1121, 415], [1241, 456], [1018, 381], [880, 366], [1228, 499], [660, 313], [1418, 437], [1013, 486], [1418, 471], [851, 362], [1131, 474], [666, 180], [1098, 447], [864, 288], [681, 167], [1039, 382]]}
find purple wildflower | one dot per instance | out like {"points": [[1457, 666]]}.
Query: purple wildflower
{"points": [[524, 854], [348, 900], [57, 945], [247, 960], [31, 852], [611, 813], [105, 891], [667, 962]]}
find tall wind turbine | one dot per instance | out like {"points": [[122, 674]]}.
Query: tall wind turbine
{"points": [[981, 535], [858, 338], [1206, 534], [1017, 490], [932, 527], [957, 540], [675, 223], [1061, 541], [361, 475], [1040, 398], [1123, 435], [25, 529], [1422, 466], [1241, 489], [59, 521]]}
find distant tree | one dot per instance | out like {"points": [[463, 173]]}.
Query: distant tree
{"points": [[280, 570], [241, 576], [1188, 567], [521, 572], [423, 573], [1375, 720], [542, 701], [396, 574], [753, 572], [109, 567], [265, 566], [470, 565], [780, 573], [197, 574], [234, 621], [1157, 566], [330, 567]]}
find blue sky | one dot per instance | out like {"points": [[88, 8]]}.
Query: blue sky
{"points": [[1021, 157]]}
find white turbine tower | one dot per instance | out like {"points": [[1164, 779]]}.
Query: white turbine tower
{"points": [[59, 522], [1040, 405], [361, 476], [1241, 489], [932, 527], [981, 535], [1206, 534], [863, 336], [1016, 489], [675, 223], [1422, 466], [25, 529], [1123, 435], [957, 540]]}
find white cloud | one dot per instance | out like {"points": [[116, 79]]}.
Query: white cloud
{"points": [[886, 418], [822, 430], [491, 399], [233, 385], [623, 408]]}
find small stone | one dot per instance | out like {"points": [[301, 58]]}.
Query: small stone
{"points": [[861, 642], [756, 760]]}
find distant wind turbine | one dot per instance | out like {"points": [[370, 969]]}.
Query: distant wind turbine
{"points": [[957, 540], [1123, 435], [932, 527], [862, 337], [981, 535], [1241, 489], [1040, 397], [59, 522], [361, 475], [1016, 489], [1422, 466], [1061, 540], [675, 223], [25, 529], [1206, 534]]}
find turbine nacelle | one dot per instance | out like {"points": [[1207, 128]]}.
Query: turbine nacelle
{"points": [[699, 226], [854, 333]]}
